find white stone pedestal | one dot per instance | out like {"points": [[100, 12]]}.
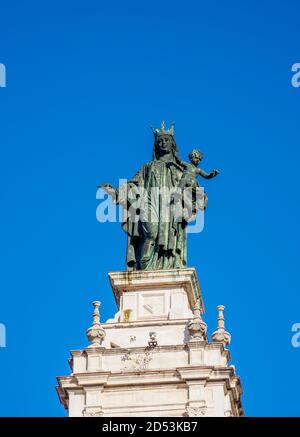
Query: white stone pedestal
{"points": [[178, 376]]}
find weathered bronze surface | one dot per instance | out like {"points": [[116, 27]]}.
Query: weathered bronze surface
{"points": [[155, 213]]}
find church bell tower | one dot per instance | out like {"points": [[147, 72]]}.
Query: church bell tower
{"points": [[153, 358]]}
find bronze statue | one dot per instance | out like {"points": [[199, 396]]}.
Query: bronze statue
{"points": [[155, 227]]}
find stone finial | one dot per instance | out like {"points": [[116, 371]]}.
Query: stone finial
{"points": [[197, 327], [221, 335], [96, 333]]}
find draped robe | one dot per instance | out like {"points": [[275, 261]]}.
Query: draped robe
{"points": [[158, 243]]}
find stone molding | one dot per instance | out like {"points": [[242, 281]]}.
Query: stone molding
{"points": [[136, 280], [92, 412]]}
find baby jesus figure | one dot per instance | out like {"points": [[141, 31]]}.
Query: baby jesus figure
{"points": [[190, 173], [191, 170]]}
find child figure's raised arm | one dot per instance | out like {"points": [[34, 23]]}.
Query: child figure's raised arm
{"points": [[205, 175]]}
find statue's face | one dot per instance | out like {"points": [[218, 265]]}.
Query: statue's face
{"points": [[164, 144], [195, 158]]}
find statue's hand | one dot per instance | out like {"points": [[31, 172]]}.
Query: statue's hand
{"points": [[109, 189], [215, 173]]}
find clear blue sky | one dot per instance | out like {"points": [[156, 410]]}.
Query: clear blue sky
{"points": [[85, 80]]}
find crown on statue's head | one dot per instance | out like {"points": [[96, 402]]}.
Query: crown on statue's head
{"points": [[162, 129]]}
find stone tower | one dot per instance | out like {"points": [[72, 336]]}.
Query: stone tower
{"points": [[153, 358]]}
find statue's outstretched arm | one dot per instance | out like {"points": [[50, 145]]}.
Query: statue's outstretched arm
{"points": [[111, 191], [205, 175], [119, 196]]}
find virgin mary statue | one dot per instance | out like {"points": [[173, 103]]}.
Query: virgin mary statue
{"points": [[153, 219]]}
